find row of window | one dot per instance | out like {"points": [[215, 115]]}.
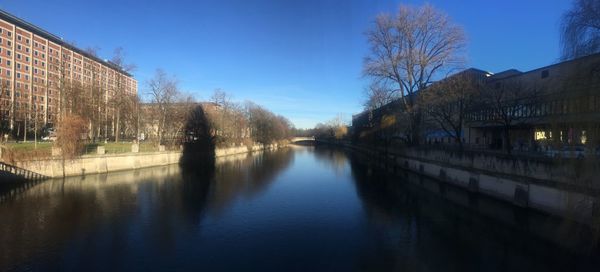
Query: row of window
{"points": [[36, 45], [20, 38], [8, 32], [586, 104], [25, 95], [8, 42]]}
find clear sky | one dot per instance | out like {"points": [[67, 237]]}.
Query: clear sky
{"points": [[301, 59]]}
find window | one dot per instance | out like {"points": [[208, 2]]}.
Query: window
{"points": [[545, 73], [9, 33], [18, 56], [18, 37]]}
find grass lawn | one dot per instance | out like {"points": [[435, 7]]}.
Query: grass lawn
{"points": [[28, 146], [90, 148]]}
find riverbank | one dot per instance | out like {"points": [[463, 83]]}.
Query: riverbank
{"points": [[565, 188], [104, 163]]}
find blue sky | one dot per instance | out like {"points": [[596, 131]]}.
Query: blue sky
{"points": [[301, 59]]}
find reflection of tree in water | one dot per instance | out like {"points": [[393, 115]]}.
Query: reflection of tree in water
{"points": [[425, 227], [335, 158], [157, 201], [246, 177]]}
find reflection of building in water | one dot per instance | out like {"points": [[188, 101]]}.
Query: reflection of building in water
{"points": [[407, 209], [57, 210]]}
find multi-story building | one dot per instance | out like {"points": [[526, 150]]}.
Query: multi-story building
{"points": [[35, 68], [549, 106]]}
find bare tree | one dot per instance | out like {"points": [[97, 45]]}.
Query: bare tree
{"points": [[120, 97], [163, 93], [506, 102], [229, 120], [408, 51], [448, 102], [266, 127], [5, 111], [580, 29], [69, 136], [377, 96]]}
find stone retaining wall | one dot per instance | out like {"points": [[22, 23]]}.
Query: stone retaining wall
{"points": [[567, 188], [94, 164]]}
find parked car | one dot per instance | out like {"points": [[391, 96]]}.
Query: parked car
{"points": [[572, 152], [51, 135]]}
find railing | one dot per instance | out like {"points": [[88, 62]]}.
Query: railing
{"points": [[20, 172]]}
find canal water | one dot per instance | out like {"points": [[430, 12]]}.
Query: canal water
{"points": [[296, 209]]}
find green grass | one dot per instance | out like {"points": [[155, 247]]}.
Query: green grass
{"points": [[90, 148], [28, 146]]}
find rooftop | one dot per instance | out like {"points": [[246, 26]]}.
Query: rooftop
{"points": [[55, 39]]}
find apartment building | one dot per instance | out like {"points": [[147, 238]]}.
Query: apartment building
{"points": [[36, 67]]}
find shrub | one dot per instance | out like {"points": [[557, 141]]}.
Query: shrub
{"points": [[70, 136]]}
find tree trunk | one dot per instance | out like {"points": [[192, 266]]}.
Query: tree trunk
{"points": [[117, 126]]}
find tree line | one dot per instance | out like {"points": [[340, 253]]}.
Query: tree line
{"points": [[169, 113], [172, 118]]}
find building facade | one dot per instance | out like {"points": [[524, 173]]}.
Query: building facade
{"points": [[36, 68], [545, 108]]}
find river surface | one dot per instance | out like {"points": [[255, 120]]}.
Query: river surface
{"points": [[296, 209]]}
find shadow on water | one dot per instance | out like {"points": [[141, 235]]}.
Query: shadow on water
{"points": [[363, 218], [129, 214], [424, 225]]}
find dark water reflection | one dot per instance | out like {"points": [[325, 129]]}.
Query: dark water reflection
{"points": [[298, 209]]}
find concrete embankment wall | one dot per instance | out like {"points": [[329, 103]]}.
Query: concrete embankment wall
{"points": [[94, 164], [567, 188], [545, 195]]}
